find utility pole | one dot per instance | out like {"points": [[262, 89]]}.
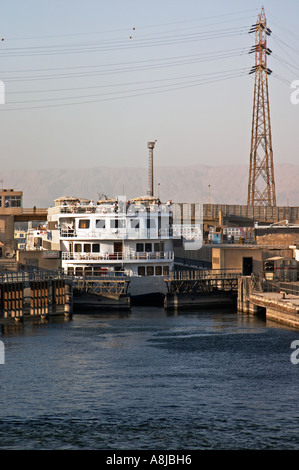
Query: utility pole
{"points": [[261, 185], [150, 146]]}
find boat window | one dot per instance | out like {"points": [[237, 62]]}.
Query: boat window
{"points": [[141, 270], [151, 223], [139, 247], [117, 223], [79, 271], [158, 270], [84, 223], [78, 248], [135, 223], [95, 247], [100, 223], [148, 247], [150, 270], [159, 246], [87, 247], [165, 270]]}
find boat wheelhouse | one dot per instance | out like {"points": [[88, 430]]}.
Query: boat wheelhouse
{"points": [[111, 236]]}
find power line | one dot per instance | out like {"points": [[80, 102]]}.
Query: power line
{"points": [[110, 85], [93, 66], [133, 93], [120, 45], [143, 27], [137, 66]]}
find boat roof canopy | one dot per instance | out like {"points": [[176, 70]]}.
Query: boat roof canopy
{"points": [[70, 199], [75, 200], [107, 201], [146, 199]]}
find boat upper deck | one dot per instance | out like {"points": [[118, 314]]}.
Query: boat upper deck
{"points": [[122, 207]]}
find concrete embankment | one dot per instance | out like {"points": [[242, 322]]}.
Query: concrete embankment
{"points": [[280, 307]]}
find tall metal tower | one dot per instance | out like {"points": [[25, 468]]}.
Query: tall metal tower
{"points": [[150, 146], [261, 185]]}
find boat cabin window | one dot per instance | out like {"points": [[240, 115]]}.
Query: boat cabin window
{"points": [[117, 223], [150, 270], [87, 248], [139, 247], [78, 248], [135, 223], [159, 246], [148, 247], [95, 247], [158, 270], [84, 223], [88, 271], [141, 270], [151, 223], [100, 223]]}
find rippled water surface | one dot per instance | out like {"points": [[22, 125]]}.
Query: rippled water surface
{"points": [[148, 380]]}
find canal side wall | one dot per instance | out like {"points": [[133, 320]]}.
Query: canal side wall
{"points": [[279, 307]]}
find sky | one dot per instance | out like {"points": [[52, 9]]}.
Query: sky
{"points": [[89, 83]]}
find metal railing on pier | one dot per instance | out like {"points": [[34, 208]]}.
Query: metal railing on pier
{"points": [[104, 286], [209, 280], [217, 274], [27, 276], [291, 288]]}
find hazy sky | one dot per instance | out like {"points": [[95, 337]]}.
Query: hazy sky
{"points": [[89, 83]]}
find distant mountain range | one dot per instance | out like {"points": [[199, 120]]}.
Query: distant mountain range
{"points": [[228, 183]]}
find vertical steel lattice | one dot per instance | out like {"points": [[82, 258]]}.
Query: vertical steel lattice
{"points": [[261, 185]]}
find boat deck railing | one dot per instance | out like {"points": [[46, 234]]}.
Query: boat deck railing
{"points": [[120, 233], [156, 255]]}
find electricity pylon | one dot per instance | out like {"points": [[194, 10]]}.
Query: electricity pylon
{"points": [[261, 185]]}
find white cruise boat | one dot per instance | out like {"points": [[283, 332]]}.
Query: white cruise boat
{"points": [[113, 237]]}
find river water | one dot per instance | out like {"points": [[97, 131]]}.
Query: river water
{"points": [[196, 380]]}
